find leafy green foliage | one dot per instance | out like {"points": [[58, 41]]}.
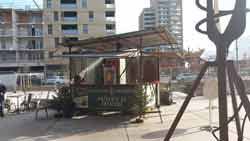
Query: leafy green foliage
{"points": [[63, 102], [140, 100]]}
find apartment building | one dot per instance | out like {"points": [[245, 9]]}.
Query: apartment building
{"points": [[166, 13], [21, 40], [75, 20], [147, 19]]}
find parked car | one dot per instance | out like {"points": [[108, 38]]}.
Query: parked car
{"points": [[186, 77], [55, 80]]}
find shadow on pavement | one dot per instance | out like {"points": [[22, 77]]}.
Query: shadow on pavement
{"points": [[162, 133], [23, 127]]}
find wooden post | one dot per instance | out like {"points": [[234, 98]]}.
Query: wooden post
{"points": [[186, 102], [140, 62], [70, 70], [70, 63]]}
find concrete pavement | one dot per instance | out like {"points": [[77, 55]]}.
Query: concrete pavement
{"points": [[24, 127]]}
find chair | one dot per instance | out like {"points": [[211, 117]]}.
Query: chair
{"points": [[28, 103], [43, 104]]}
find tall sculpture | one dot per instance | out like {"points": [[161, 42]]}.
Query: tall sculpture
{"points": [[234, 30]]}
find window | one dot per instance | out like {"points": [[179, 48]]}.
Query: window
{"points": [[69, 16], [84, 3], [56, 42], [91, 15], [50, 29], [68, 1], [68, 4], [110, 27], [85, 28], [110, 13], [109, 1], [49, 3], [56, 17], [69, 29]]}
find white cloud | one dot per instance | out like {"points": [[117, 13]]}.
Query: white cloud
{"points": [[128, 12]]}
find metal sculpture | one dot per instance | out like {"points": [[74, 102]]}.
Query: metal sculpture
{"points": [[234, 30]]}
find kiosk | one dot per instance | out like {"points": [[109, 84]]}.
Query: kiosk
{"points": [[113, 66]]}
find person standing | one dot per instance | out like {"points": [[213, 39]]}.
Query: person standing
{"points": [[2, 92]]}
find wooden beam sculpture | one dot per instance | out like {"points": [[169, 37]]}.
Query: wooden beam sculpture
{"points": [[233, 31]]}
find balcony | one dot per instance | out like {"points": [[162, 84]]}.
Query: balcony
{"points": [[110, 19], [110, 6], [31, 21], [31, 47], [8, 62], [70, 32], [69, 19], [68, 5], [6, 45], [5, 33], [110, 29], [22, 62], [69, 29], [110, 32], [69, 16], [110, 15], [29, 34], [5, 23], [110, 3]]}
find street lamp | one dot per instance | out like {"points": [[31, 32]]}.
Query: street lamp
{"points": [[237, 55]]}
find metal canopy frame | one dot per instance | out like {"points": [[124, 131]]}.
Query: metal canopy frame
{"points": [[123, 42]]}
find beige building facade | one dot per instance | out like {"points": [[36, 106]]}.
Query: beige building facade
{"points": [[75, 20]]}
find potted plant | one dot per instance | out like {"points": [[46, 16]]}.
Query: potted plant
{"points": [[140, 103], [64, 103]]}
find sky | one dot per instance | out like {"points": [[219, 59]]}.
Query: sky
{"points": [[128, 11]]}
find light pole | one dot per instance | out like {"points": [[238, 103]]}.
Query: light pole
{"points": [[237, 55]]}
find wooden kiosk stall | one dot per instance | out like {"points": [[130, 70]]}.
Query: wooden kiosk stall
{"points": [[111, 67]]}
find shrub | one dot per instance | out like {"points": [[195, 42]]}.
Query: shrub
{"points": [[63, 102]]}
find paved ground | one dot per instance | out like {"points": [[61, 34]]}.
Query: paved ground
{"points": [[24, 127]]}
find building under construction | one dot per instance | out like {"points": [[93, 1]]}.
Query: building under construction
{"points": [[30, 34], [21, 40]]}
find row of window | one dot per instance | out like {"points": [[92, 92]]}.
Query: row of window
{"points": [[72, 3], [149, 19], [72, 15], [72, 28]]}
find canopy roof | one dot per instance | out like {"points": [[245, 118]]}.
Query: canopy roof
{"points": [[124, 42]]}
